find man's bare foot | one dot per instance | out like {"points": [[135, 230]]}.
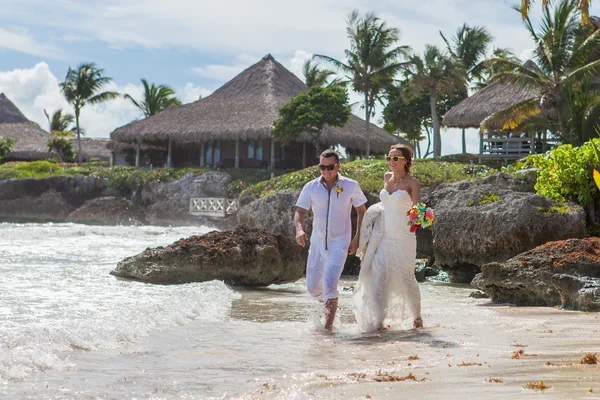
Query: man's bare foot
{"points": [[330, 310], [418, 323]]}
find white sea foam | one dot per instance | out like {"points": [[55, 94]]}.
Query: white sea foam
{"points": [[56, 294]]}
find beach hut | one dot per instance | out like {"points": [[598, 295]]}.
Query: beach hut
{"points": [[231, 127], [473, 110], [31, 142]]}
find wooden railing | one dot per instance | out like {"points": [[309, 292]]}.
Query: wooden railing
{"points": [[512, 148], [213, 207]]}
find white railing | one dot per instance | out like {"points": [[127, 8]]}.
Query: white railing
{"points": [[213, 207]]}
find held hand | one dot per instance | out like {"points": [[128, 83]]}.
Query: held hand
{"points": [[301, 238], [353, 246]]}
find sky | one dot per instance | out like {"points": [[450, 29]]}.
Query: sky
{"points": [[195, 46]]}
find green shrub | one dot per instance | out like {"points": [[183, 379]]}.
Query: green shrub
{"points": [[63, 147], [566, 173]]}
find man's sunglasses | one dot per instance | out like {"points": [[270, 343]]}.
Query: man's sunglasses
{"points": [[394, 158], [327, 167]]}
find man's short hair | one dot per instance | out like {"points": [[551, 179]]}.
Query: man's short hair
{"points": [[331, 153]]}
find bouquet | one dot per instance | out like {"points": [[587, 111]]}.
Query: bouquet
{"points": [[420, 216]]}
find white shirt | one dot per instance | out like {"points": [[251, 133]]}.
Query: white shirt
{"points": [[332, 209]]}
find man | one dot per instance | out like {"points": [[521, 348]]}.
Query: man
{"points": [[331, 197]]}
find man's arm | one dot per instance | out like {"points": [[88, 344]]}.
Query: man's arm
{"points": [[360, 213], [301, 237]]}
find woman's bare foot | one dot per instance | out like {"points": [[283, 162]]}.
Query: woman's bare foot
{"points": [[418, 323], [384, 327]]}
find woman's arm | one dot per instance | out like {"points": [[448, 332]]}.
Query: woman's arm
{"points": [[415, 193]]}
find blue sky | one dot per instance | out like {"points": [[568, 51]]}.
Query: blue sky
{"points": [[196, 46]]}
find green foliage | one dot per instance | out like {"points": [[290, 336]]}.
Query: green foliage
{"points": [[155, 99], [34, 169], [488, 198], [369, 174], [566, 173], [62, 146], [559, 209], [308, 112], [6, 146]]}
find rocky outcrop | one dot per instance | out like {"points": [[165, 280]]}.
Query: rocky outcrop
{"points": [[51, 199], [561, 273], [274, 213], [245, 256], [169, 202], [494, 219], [108, 211]]}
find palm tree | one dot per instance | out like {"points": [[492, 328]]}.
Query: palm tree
{"points": [[469, 46], [439, 75], [59, 122], [372, 61], [81, 87], [314, 76], [566, 59], [156, 99], [584, 6]]}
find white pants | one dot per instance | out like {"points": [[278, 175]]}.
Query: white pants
{"points": [[323, 270]]}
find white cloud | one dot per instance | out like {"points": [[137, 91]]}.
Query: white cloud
{"points": [[191, 93], [23, 42]]}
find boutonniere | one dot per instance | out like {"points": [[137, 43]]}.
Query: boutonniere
{"points": [[338, 191]]}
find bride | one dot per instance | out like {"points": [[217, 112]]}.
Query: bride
{"points": [[387, 286]]}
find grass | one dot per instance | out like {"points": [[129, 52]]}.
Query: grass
{"points": [[369, 174]]}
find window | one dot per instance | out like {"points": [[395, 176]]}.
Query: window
{"points": [[209, 153], [259, 150], [251, 145], [218, 152]]}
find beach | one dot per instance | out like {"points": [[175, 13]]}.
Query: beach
{"points": [[71, 331]]}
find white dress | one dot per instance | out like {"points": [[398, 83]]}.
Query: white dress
{"points": [[387, 286]]}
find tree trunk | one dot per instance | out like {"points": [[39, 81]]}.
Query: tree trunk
{"points": [[428, 151], [79, 157], [367, 119], [464, 141], [437, 139]]}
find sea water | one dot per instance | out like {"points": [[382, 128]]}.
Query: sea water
{"points": [[69, 330]]}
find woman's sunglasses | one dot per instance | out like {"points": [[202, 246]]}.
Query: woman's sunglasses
{"points": [[327, 167], [394, 158]]}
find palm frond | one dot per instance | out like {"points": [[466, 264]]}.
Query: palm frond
{"points": [[511, 117]]}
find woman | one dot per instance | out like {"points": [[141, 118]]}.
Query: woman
{"points": [[386, 284]]}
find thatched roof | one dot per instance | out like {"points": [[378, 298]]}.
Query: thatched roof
{"points": [[497, 96], [92, 148], [31, 141], [245, 108]]}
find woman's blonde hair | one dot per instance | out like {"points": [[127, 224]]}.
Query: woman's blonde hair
{"points": [[407, 152]]}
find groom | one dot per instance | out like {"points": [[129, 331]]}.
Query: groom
{"points": [[331, 197]]}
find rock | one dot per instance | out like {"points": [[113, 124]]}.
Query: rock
{"points": [[560, 273], [245, 256], [479, 295], [49, 206], [50, 199], [494, 219], [169, 202], [274, 213], [107, 211]]}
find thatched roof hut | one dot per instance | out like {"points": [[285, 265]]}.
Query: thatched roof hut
{"points": [[245, 109], [31, 141], [497, 96]]}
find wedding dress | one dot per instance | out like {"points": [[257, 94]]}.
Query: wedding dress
{"points": [[387, 286]]}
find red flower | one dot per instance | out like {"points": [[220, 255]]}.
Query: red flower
{"points": [[413, 228]]}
